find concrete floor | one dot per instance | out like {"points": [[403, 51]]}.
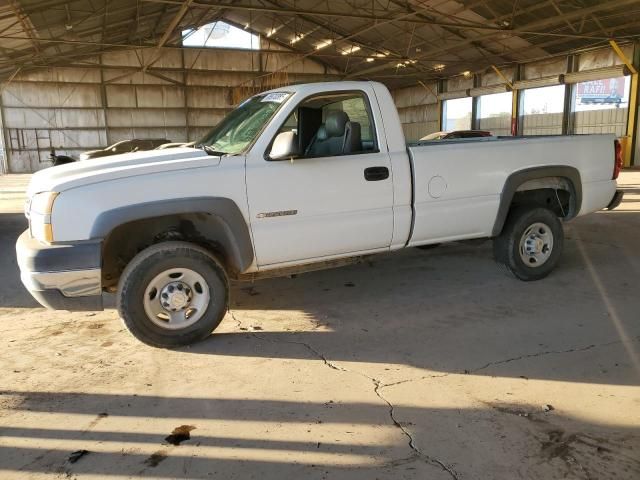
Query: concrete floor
{"points": [[420, 364]]}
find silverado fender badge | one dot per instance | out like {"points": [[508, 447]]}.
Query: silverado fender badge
{"points": [[277, 214]]}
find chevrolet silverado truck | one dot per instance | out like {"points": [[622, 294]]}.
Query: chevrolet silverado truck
{"points": [[294, 179]]}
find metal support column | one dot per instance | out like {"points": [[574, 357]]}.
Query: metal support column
{"points": [[6, 140], [631, 135], [514, 96], [631, 156], [4, 151], [439, 90], [475, 121], [185, 89], [103, 101], [568, 108]]}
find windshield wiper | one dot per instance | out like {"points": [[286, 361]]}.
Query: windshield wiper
{"points": [[210, 150]]}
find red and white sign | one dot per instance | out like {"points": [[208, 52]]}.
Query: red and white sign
{"points": [[601, 89]]}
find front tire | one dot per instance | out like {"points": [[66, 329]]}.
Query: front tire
{"points": [[173, 294], [530, 244]]}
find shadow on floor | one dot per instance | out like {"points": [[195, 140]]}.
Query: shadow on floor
{"points": [[421, 308], [549, 442]]}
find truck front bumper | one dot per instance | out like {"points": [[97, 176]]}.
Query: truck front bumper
{"points": [[61, 277], [615, 201]]}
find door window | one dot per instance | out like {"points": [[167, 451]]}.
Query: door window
{"points": [[330, 125]]}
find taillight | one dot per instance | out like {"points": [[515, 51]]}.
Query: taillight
{"points": [[618, 161]]}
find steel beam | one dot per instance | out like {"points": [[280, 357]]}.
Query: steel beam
{"points": [[25, 27], [324, 13], [4, 151], [502, 76], [167, 33], [622, 56], [630, 157]]}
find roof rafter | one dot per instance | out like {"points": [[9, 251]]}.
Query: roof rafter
{"points": [[531, 28]]}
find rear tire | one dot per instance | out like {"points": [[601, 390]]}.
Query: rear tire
{"points": [[530, 244], [173, 294]]}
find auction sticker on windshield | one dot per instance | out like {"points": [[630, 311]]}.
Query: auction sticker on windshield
{"points": [[277, 97]]}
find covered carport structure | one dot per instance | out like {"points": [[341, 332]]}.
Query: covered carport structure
{"points": [[78, 75], [424, 363]]}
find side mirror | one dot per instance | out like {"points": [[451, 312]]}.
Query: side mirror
{"points": [[285, 147]]}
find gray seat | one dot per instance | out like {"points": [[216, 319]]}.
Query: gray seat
{"points": [[336, 136]]}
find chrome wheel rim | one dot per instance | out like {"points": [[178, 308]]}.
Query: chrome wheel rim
{"points": [[176, 298], [536, 245]]}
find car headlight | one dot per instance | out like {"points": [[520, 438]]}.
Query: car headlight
{"points": [[42, 203], [40, 215]]}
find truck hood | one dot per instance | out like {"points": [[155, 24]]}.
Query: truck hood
{"points": [[72, 175]]}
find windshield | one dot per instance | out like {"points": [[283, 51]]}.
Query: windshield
{"points": [[239, 128]]}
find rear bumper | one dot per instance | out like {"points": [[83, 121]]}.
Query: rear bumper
{"points": [[61, 277], [615, 201]]}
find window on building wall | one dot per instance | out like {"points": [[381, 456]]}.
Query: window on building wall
{"points": [[543, 110], [601, 106], [494, 113], [456, 114], [220, 35]]}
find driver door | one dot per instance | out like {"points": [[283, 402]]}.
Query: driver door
{"points": [[327, 205]]}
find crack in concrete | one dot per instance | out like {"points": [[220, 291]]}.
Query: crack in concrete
{"points": [[292, 342], [378, 386], [542, 354], [428, 458], [417, 379]]}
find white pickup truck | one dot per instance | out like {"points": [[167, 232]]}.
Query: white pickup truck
{"points": [[294, 179]]}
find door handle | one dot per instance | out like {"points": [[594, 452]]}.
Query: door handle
{"points": [[375, 174]]}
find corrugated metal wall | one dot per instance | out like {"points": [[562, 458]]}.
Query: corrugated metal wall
{"points": [[418, 110], [499, 125], [610, 120], [187, 91], [109, 99], [542, 124]]}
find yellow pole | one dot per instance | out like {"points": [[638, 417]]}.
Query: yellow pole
{"points": [[631, 123], [514, 100], [633, 103], [514, 112], [501, 75], [622, 56]]}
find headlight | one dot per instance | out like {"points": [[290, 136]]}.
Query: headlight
{"points": [[42, 203], [40, 215]]}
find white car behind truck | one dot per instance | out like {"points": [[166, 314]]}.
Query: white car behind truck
{"points": [[298, 178]]}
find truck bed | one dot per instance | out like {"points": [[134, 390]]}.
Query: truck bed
{"points": [[464, 178]]}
